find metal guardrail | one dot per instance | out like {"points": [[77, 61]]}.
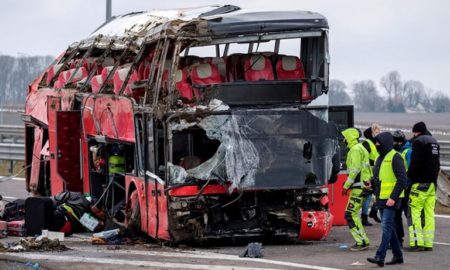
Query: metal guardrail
{"points": [[12, 143], [12, 151], [12, 134]]}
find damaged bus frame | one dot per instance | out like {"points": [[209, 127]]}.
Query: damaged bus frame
{"points": [[225, 145]]}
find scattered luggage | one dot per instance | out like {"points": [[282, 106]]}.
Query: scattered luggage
{"points": [[38, 215], [17, 228], [14, 210]]}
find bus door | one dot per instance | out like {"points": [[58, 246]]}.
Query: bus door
{"points": [[68, 150]]}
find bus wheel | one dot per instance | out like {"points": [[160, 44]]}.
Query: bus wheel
{"points": [[133, 212]]}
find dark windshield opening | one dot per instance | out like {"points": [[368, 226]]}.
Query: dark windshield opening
{"points": [[270, 149]]}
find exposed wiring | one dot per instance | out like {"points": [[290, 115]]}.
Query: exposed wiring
{"points": [[233, 201]]}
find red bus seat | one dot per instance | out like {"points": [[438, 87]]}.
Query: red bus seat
{"points": [[258, 67], [289, 68], [120, 76], [65, 76], [98, 80], [204, 74], [182, 84], [52, 71]]}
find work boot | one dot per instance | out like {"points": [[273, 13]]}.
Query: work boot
{"points": [[365, 220], [357, 247], [395, 260], [414, 249], [374, 214], [376, 261]]}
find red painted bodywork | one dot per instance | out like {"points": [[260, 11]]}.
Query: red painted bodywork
{"points": [[110, 116], [315, 225], [85, 164], [337, 201], [194, 190], [154, 215], [36, 104], [37, 107], [53, 105]]}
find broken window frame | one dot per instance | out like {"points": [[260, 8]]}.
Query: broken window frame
{"points": [[312, 43], [316, 112]]}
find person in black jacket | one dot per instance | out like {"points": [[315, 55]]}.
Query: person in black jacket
{"points": [[369, 144], [423, 173], [389, 180]]}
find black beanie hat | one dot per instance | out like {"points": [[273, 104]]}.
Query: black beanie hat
{"points": [[368, 133], [419, 127]]}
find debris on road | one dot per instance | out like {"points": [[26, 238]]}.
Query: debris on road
{"points": [[33, 244], [253, 250]]}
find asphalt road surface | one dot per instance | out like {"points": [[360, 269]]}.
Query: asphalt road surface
{"points": [[322, 255]]}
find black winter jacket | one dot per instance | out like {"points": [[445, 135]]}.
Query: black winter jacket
{"points": [[425, 164]]}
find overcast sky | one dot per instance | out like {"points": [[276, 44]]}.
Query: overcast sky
{"points": [[368, 38]]}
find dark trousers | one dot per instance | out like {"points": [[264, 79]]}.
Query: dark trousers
{"points": [[389, 235], [398, 220]]}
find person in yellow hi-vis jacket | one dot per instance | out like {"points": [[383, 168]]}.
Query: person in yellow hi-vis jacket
{"points": [[358, 181], [389, 181], [423, 173], [116, 160]]}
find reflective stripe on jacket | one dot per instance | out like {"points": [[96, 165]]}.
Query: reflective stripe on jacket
{"points": [[116, 164], [403, 154], [358, 165]]}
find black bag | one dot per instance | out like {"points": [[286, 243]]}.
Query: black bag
{"points": [[38, 215], [14, 210], [60, 220], [76, 200]]}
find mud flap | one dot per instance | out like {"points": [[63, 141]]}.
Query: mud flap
{"points": [[315, 225]]}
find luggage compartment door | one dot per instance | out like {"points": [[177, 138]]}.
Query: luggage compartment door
{"points": [[68, 150]]}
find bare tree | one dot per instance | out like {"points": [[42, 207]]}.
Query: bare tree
{"points": [[338, 93], [393, 85], [440, 102], [366, 97], [414, 93]]}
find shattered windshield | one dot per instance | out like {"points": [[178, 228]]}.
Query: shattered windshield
{"points": [[252, 149]]}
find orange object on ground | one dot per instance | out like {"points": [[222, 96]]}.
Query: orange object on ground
{"points": [[337, 202]]}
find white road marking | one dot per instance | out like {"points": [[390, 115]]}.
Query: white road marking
{"points": [[9, 198], [208, 255], [442, 216], [441, 243], [14, 178], [81, 259]]}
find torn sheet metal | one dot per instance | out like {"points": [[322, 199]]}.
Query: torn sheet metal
{"points": [[274, 149]]}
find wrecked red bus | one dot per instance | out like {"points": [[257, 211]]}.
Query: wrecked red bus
{"points": [[198, 124]]}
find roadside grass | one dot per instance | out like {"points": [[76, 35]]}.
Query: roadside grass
{"points": [[5, 166]]}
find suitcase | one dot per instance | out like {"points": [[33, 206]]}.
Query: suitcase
{"points": [[38, 215], [14, 210], [17, 228], [3, 229]]}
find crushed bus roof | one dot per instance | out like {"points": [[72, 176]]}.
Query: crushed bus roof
{"points": [[213, 21]]}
